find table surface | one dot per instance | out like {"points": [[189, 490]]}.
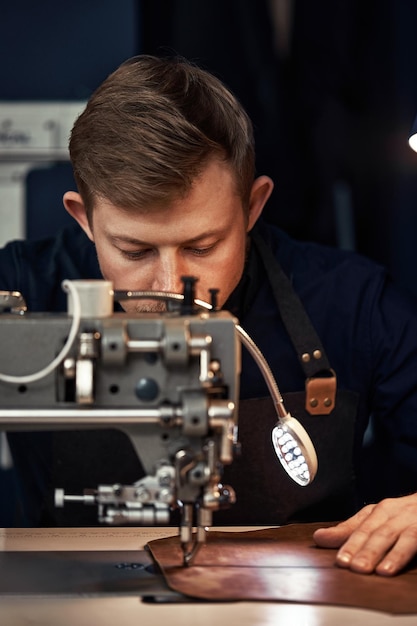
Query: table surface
{"points": [[38, 610]]}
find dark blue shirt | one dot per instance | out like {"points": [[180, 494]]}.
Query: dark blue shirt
{"points": [[367, 327]]}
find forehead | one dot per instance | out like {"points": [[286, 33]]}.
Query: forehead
{"points": [[212, 201]]}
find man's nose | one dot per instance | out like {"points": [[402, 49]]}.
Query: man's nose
{"points": [[168, 276]]}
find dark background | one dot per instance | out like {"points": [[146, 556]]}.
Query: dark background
{"points": [[331, 86], [332, 90]]}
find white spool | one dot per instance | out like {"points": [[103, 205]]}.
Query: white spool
{"points": [[96, 298]]}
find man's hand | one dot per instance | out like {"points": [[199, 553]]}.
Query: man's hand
{"points": [[380, 538]]}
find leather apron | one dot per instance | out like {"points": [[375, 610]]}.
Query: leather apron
{"points": [[265, 493]]}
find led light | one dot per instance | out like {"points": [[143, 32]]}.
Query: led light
{"points": [[295, 450]]}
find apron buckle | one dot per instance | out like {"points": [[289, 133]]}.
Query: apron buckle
{"points": [[321, 393]]}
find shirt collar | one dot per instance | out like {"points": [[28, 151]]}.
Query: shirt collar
{"points": [[241, 298]]}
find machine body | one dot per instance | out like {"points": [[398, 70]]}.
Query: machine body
{"points": [[170, 381]]}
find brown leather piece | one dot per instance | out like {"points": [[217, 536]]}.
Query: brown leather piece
{"points": [[279, 564], [321, 395]]}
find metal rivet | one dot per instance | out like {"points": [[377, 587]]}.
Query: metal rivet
{"points": [[305, 357], [314, 402], [327, 402], [317, 354]]}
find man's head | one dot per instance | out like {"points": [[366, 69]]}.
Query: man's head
{"points": [[150, 129], [163, 158]]}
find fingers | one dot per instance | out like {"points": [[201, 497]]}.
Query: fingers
{"points": [[366, 548], [380, 538], [335, 536], [384, 552], [400, 555]]}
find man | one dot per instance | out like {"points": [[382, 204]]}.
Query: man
{"points": [[163, 159]]}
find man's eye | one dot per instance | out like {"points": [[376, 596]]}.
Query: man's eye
{"points": [[134, 255], [201, 251]]}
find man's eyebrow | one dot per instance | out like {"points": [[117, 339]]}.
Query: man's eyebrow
{"points": [[126, 239], [139, 242]]}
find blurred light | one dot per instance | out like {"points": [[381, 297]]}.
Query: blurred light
{"points": [[413, 136]]}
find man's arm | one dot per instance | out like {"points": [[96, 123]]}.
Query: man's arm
{"points": [[380, 538]]}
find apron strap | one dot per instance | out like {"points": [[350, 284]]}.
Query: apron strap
{"points": [[320, 377]]}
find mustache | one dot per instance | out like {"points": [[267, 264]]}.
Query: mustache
{"points": [[150, 307]]}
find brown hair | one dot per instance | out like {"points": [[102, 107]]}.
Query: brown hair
{"points": [[150, 129]]}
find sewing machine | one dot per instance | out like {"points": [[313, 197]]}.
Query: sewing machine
{"points": [[169, 380]]}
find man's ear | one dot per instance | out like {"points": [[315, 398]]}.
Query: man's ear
{"points": [[76, 208], [261, 190]]}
